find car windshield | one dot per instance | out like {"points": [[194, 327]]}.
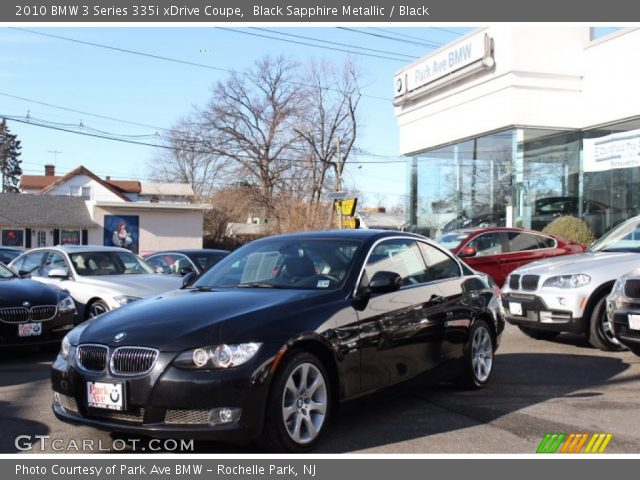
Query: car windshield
{"points": [[5, 272], [623, 238], [204, 260], [109, 263], [452, 240], [315, 264]]}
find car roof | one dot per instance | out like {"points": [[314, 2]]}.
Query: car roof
{"points": [[477, 230], [355, 234], [187, 251], [82, 249]]}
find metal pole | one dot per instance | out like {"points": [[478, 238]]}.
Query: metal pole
{"points": [[339, 183]]}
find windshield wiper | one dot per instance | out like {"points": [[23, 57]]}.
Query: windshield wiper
{"points": [[257, 285]]}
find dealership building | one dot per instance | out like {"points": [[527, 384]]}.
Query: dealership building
{"points": [[517, 125]]}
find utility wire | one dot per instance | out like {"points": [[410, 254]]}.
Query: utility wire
{"points": [[311, 44], [174, 60], [348, 45], [422, 44]]}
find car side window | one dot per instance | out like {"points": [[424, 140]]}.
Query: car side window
{"points": [[440, 266], [519, 241], [159, 261], [401, 256], [54, 261], [487, 244], [31, 263], [546, 242]]}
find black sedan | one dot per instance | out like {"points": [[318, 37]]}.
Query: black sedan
{"points": [[269, 341], [181, 262], [32, 313]]}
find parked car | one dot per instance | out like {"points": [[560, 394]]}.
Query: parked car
{"points": [[484, 220], [99, 278], [623, 308], [181, 262], [7, 254], [568, 294], [267, 342], [498, 251], [32, 313]]}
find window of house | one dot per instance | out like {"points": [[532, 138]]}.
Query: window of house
{"points": [[41, 238], [12, 237], [86, 193], [74, 191]]}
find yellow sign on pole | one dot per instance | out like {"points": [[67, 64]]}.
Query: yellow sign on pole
{"points": [[350, 222], [346, 207]]}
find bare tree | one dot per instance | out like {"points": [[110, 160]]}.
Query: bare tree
{"points": [[189, 160], [329, 123], [251, 121]]}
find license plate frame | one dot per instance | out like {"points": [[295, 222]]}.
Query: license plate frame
{"points": [[30, 329], [106, 396], [515, 308], [634, 322]]}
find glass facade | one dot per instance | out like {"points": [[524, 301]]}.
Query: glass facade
{"points": [[528, 177]]}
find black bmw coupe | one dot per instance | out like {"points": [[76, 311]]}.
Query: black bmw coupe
{"points": [[32, 313], [268, 342]]}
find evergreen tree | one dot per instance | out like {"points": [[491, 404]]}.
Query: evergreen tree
{"points": [[9, 159]]}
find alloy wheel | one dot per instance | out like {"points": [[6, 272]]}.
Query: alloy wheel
{"points": [[97, 308], [304, 403], [481, 354]]}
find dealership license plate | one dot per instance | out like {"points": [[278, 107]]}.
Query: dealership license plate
{"points": [[634, 322], [515, 308], [29, 329], [107, 396]]}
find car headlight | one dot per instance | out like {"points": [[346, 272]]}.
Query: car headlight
{"points": [[124, 299], [568, 281], [219, 356], [66, 305], [65, 347]]}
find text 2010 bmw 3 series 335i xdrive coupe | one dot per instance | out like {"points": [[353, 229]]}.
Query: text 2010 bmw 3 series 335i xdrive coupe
{"points": [[265, 344]]}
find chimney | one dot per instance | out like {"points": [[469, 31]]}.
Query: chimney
{"points": [[108, 178], [382, 210], [49, 170]]}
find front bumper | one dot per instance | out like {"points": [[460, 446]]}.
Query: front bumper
{"points": [[535, 313], [628, 337], [169, 402], [52, 332]]}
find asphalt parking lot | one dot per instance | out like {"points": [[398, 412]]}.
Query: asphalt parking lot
{"points": [[538, 387]]}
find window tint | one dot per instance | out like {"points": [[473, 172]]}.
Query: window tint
{"points": [[31, 263], [54, 261], [487, 244], [400, 256], [546, 242], [440, 266], [522, 241], [159, 261]]}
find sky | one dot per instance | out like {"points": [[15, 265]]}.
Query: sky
{"points": [[142, 95]]}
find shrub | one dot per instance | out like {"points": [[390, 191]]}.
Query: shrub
{"points": [[571, 228]]}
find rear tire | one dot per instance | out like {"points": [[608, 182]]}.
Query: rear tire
{"points": [[298, 407], [478, 357], [95, 308], [600, 329], [538, 334]]}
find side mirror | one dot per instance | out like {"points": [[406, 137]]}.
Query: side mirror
{"points": [[24, 274], [384, 282], [188, 279], [58, 273], [467, 252], [184, 271]]}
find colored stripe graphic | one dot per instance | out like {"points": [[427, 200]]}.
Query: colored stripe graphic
{"points": [[556, 442]]}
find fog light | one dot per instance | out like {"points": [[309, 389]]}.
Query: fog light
{"points": [[562, 300], [220, 416]]}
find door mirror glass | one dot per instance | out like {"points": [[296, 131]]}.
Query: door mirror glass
{"points": [[385, 282], [468, 252]]}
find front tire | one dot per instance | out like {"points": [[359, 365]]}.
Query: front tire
{"points": [[538, 334], [600, 329], [97, 307], [298, 407], [478, 357]]}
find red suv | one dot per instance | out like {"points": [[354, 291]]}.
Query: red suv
{"points": [[497, 251]]}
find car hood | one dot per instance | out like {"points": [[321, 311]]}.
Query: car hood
{"points": [[14, 292], [601, 265], [139, 285], [189, 318]]}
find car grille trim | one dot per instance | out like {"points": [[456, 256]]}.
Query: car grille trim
{"points": [[530, 282], [632, 288], [514, 282], [129, 361], [135, 415], [92, 357], [187, 417], [66, 402], [40, 313]]}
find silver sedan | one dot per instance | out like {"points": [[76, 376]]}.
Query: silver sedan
{"points": [[98, 278]]}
